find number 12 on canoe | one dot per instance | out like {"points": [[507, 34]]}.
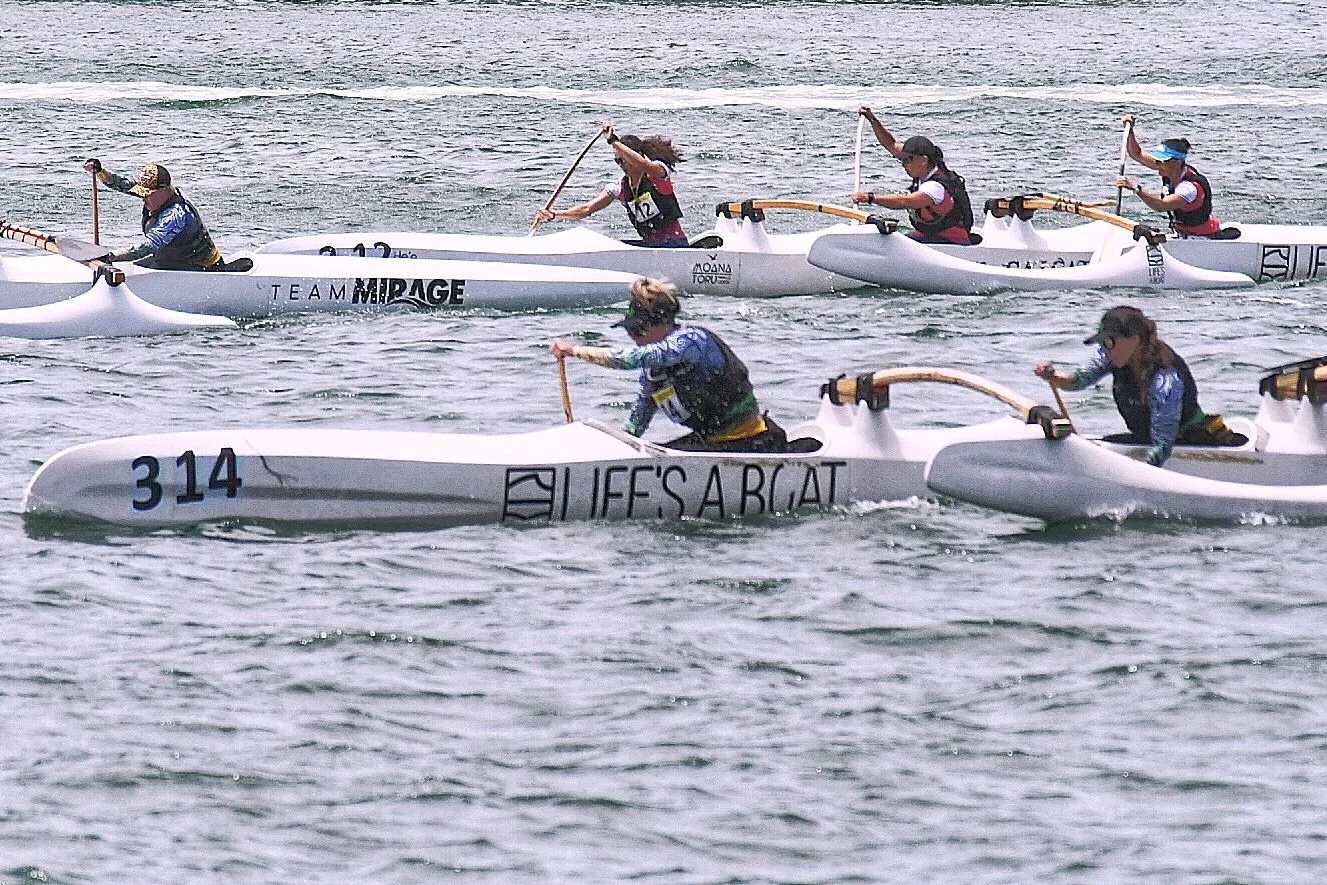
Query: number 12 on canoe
{"points": [[149, 489]]}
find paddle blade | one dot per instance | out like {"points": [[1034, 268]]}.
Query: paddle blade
{"points": [[79, 250]]}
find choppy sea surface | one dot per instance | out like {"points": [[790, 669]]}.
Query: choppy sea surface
{"points": [[905, 692]]}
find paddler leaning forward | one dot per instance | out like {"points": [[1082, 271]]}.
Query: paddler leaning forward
{"points": [[1153, 387], [686, 371], [174, 236]]}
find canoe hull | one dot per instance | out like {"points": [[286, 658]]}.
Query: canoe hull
{"points": [[578, 471], [1280, 471], [749, 263], [279, 284], [896, 261]]}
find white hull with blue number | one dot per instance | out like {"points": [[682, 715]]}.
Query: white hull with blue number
{"points": [[577, 471]]}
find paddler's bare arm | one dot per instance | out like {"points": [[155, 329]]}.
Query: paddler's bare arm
{"points": [[577, 212], [882, 135], [600, 356]]}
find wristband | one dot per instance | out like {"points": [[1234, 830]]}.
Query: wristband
{"points": [[613, 139], [870, 197]]}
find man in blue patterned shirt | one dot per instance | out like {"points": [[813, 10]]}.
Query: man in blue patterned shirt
{"points": [[175, 237]]}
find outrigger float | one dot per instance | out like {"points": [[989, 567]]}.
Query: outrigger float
{"points": [[1280, 472], [850, 452], [50, 289], [106, 309], [736, 257], [1107, 251]]}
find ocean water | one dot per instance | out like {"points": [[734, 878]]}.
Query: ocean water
{"points": [[910, 691]]}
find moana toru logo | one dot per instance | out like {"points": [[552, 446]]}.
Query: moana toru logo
{"points": [[417, 293], [712, 272]]}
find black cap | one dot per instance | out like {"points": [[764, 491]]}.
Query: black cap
{"points": [[639, 316], [922, 146], [1119, 322]]}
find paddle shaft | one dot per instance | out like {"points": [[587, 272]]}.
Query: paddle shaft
{"points": [[566, 395], [857, 162], [96, 214], [1059, 400], [1124, 158], [563, 183]]}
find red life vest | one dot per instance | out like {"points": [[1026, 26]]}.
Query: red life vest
{"points": [[1198, 221], [950, 220], [653, 209]]}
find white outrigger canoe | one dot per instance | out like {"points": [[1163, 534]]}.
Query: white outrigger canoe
{"points": [[1108, 251], [267, 285], [580, 470], [736, 257], [1281, 471]]}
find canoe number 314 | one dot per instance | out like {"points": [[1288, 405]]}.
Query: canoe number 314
{"points": [[149, 490]]}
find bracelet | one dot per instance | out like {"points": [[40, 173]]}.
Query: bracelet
{"points": [[870, 197]]}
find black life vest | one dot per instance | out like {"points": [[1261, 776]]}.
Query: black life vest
{"points": [[649, 211], [1195, 217], [1137, 414], [954, 211], [192, 248], [704, 402]]}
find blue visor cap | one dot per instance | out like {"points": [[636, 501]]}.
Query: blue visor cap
{"points": [[1165, 152]]}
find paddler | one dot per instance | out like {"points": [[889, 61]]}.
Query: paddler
{"points": [[937, 201], [686, 371], [1153, 388], [1185, 194], [645, 190], [175, 237]]}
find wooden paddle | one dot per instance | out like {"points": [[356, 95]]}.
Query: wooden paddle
{"points": [[1059, 400], [89, 254], [96, 214], [563, 183], [1124, 157], [566, 395], [857, 162]]}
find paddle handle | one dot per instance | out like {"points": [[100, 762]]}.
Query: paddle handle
{"points": [[566, 395], [96, 213], [563, 183], [1124, 158]]}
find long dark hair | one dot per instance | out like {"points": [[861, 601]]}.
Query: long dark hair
{"points": [[656, 147], [1153, 353]]}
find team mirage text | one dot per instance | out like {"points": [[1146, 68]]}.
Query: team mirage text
{"points": [[375, 291]]}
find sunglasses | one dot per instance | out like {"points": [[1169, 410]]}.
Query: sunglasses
{"points": [[905, 159]]}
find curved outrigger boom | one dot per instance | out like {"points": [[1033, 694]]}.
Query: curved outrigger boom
{"points": [[872, 388]]}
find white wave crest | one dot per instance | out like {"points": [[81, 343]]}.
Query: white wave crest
{"points": [[812, 96]]}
